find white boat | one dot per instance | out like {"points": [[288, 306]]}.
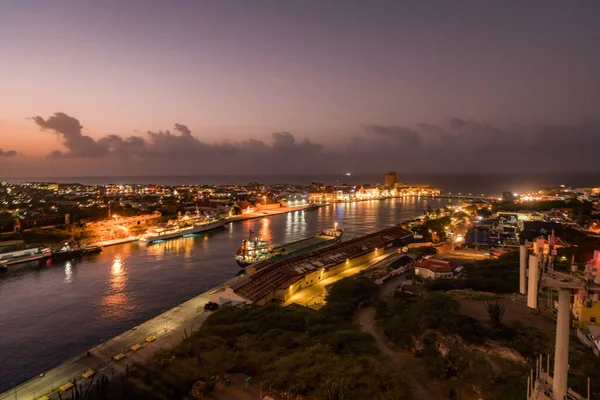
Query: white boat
{"points": [[182, 226]]}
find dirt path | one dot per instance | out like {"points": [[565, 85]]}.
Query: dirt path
{"points": [[365, 317]]}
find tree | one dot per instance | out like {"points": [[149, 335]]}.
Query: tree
{"points": [[484, 212], [496, 313], [423, 251]]}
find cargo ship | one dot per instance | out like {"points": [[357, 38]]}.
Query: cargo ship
{"points": [[256, 249], [182, 226]]}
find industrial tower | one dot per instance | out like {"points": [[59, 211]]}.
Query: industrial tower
{"points": [[537, 271]]}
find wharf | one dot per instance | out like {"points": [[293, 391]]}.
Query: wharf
{"points": [[114, 242], [25, 259]]}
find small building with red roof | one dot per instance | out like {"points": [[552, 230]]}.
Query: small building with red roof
{"points": [[433, 268]]}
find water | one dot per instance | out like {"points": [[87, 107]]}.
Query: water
{"points": [[49, 314], [477, 183]]}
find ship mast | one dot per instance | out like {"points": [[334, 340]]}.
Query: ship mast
{"points": [[244, 245]]}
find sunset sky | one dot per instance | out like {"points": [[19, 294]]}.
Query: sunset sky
{"points": [[204, 87]]}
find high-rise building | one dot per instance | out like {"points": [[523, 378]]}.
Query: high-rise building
{"points": [[391, 178]]}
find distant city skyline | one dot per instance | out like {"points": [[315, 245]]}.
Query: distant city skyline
{"points": [[157, 88]]}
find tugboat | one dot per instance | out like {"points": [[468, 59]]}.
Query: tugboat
{"points": [[257, 249], [68, 251]]}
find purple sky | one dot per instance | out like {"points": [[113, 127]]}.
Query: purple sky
{"points": [[298, 86]]}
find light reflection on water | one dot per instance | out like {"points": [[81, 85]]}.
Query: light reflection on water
{"points": [[181, 245], [68, 272], [106, 294], [116, 302], [265, 230]]}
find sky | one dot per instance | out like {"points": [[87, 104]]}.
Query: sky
{"points": [[298, 86]]}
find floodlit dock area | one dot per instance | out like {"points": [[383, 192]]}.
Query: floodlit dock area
{"points": [[267, 281]]}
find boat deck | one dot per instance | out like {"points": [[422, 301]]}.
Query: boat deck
{"points": [[302, 244]]}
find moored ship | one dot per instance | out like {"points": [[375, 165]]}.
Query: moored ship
{"points": [[70, 250], [256, 249], [182, 226]]}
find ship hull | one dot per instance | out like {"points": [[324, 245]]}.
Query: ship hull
{"points": [[67, 255], [183, 232]]}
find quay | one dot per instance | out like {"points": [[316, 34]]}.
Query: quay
{"points": [[264, 213], [265, 282]]}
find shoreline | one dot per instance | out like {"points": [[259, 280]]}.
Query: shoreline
{"points": [[157, 333], [164, 330]]}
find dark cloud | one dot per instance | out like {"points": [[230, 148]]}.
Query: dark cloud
{"points": [[184, 130], [178, 151], [397, 135], [463, 145], [69, 130], [459, 145], [7, 153]]}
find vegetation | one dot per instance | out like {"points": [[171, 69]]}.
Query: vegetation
{"points": [[496, 313], [423, 251], [579, 207], [434, 228], [583, 365], [450, 344], [494, 276], [303, 352]]}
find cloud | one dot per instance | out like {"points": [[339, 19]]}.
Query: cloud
{"points": [[462, 145], [69, 130], [184, 130], [7, 153], [457, 145], [178, 151]]}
